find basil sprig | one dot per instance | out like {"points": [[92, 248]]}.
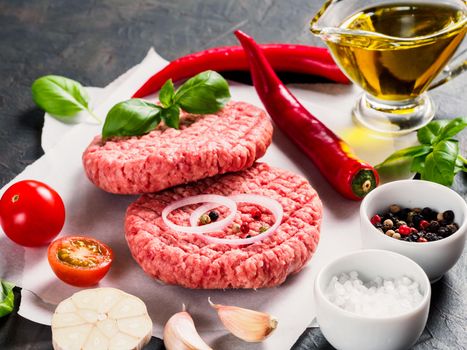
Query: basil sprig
{"points": [[437, 158], [7, 298], [61, 97], [205, 93]]}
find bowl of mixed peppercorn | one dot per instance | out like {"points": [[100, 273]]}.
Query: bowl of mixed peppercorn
{"points": [[422, 220]]}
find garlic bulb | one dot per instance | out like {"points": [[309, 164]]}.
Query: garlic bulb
{"points": [[249, 325], [180, 333], [101, 318]]}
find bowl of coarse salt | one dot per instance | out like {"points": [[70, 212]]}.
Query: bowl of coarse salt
{"points": [[372, 299]]}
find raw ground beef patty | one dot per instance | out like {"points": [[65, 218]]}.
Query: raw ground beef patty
{"points": [[187, 260], [205, 145]]}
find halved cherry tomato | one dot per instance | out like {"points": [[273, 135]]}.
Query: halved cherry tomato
{"points": [[31, 213], [79, 261]]}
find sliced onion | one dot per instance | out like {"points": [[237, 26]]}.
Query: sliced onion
{"points": [[274, 207], [210, 198]]}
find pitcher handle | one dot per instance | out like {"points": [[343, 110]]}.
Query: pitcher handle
{"points": [[456, 67]]}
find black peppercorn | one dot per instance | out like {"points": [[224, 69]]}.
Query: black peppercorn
{"points": [[429, 236], [452, 228], [433, 227], [416, 220], [213, 215], [427, 213], [448, 216], [402, 215], [413, 237], [443, 232]]}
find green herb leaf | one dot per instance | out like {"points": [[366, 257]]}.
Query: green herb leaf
{"points": [[410, 152], [207, 92], [452, 128], [59, 96], [441, 163], [131, 118], [167, 94], [171, 116], [429, 133], [7, 298], [418, 165]]}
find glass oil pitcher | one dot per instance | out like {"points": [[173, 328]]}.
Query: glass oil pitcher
{"points": [[394, 50]]}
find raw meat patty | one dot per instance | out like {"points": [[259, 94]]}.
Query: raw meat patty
{"points": [[205, 145], [189, 261]]}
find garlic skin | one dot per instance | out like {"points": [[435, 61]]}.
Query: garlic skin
{"points": [[180, 334], [249, 325]]}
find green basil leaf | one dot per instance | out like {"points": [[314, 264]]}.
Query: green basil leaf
{"points": [[453, 128], [59, 96], [207, 92], [418, 164], [131, 118], [171, 116], [7, 298], [405, 153], [167, 93], [441, 163], [429, 133]]}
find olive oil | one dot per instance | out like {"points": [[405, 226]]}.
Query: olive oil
{"points": [[417, 41]]}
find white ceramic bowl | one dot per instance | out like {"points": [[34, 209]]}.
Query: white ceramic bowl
{"points": [[348, 331], [436, 257]]}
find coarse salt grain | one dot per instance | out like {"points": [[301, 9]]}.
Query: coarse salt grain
{"points": [[377, 298]]}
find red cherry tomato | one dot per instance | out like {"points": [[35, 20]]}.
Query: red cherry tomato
{"points": [[79, 261], [31, 213]]}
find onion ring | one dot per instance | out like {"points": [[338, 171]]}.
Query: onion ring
{"points": [[200, 230], [266, 202]]}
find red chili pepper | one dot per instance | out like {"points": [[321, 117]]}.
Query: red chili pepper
{"points": [[350, 176], [283, 57]]}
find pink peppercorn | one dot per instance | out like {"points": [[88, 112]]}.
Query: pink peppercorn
{"points": [[404, 230], [424, 224], [255, 214], [422, 239], [245, 228], [375, 219]]}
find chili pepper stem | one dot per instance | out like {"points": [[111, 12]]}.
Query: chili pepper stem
{"points": [[363, 182], [92, 114]]}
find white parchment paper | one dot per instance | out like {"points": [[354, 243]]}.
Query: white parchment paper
{"points": [[93, 212]]}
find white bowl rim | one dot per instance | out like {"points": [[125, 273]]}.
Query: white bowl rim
{"points": [[462, 227], [416, 309]]}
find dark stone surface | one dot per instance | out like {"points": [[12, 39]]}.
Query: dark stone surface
{"points": [[95, 41]]}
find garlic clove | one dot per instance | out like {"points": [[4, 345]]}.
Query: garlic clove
{"points": [[180, 334], [246, 324]]}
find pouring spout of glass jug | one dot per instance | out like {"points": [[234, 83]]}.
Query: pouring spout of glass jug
{"points": [[456, 67]]}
